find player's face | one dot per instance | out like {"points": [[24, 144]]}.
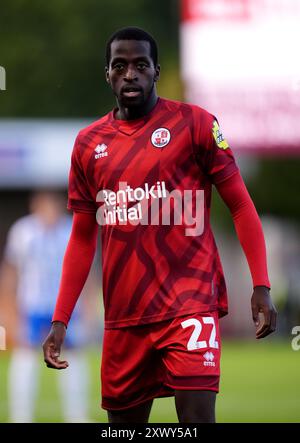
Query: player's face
{"points": [[131, 72]]}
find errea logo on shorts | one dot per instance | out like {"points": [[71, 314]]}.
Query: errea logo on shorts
{"points": [[101, 151], [209, 357]]}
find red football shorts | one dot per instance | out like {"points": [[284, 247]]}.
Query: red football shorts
{"points": [[140, 363]]}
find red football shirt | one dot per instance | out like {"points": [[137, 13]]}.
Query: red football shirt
{"points": [[155, 177]]}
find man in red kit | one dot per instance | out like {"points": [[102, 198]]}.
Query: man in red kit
{"points": [[141, 172]]}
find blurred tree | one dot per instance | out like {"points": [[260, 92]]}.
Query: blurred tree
{"points": [[274, 189], [53, 53]]}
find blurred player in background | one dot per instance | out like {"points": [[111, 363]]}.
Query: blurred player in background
{"points": [[30, 279], [164, 288]]}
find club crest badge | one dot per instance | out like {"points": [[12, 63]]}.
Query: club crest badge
{"points": [[160, 137]]}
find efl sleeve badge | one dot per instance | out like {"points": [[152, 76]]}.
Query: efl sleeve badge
{"points": [[218, 136]]}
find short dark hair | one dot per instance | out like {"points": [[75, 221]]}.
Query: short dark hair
{"points": [[132, 33]]}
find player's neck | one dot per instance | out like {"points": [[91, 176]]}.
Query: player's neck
{"points": [[132, 113]]}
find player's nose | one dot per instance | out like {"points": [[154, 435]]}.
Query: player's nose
{"points": [[130, 74]]}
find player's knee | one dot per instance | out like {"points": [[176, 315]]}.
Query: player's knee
{"points": [[137, 414], [195, 406]]}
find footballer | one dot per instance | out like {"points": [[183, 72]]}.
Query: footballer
{"points": [[134, 172]]}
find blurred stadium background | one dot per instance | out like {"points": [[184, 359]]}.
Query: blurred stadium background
{"points": [[236, 58]]}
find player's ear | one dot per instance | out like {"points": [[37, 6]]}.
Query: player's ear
{"points": [[157, 73], [107, 75]]}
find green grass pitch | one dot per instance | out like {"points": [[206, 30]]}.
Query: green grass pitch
{"points": [[260, 383]]}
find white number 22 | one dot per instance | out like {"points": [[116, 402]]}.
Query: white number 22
{"points": [[193, 343]]}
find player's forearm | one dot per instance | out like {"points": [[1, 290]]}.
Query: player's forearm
{"points": [[251, 237], [76, 265], [248, 227], [77, 262]]}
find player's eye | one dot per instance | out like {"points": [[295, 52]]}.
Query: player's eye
{"points": [[118, 66], [142, 66]]}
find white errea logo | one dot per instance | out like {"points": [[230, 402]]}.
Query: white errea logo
{"points": [[101, 151], [209, 357]]}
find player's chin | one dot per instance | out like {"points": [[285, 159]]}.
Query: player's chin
{"points": [[132, 101]]}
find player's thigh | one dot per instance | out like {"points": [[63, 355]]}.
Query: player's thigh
{"points": [[191, 352], [132, 372]]}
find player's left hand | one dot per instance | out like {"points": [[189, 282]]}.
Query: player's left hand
{"points": [[261, 302]]}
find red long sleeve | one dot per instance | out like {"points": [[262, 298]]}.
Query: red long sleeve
{"points": [[76, 265], [247, 225]]}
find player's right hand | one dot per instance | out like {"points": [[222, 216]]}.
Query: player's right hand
{"points": [[52, 346]]}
